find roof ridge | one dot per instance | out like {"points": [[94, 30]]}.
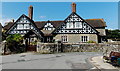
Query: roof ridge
{"points": [[49, 20], [95, 19]]}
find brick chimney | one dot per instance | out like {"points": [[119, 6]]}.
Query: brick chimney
{"points": [[73, 7], [30, 12], [13, 20]]}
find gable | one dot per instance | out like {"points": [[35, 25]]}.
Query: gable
{"points": [[73, 17], [22, 26], [48, 26], [75, 24]]}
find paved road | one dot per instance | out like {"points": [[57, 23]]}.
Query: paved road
{"points": [[76, 60]]}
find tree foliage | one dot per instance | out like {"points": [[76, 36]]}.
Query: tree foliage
{"points": [[14, 38], [14, 42], [3, 35], [113, 34]]}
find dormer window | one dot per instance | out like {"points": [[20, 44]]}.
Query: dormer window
{"points": [[48, 26]]}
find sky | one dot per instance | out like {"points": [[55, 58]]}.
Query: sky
{"points": [[59, 0], [44, 11]]}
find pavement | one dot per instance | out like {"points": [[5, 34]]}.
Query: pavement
{"points": [[75, 60], [100, 64]]}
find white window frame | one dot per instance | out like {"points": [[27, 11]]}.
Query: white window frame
{"points": [[78, 24], [70, 25], [26, 26]]}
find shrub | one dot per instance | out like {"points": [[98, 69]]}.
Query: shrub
{"points": [[91, 41], [14, 42]]}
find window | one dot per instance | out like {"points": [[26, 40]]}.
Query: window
{"points": [[84, 38], [20, 26], [64, 39], [78, 24], [48, 26], [48, 39], [70, 25], [26, 26], [67, 25], [74, 25]]}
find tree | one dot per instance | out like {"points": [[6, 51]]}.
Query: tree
{"points": [[14, 42], [113, 34]]}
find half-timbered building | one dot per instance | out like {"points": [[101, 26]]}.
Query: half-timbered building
{"points": [[74, 29]]}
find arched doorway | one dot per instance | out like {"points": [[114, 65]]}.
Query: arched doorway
{"points": [[30, 40]]}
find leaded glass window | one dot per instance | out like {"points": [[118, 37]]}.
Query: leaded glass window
{"points": [[20, 26], [26, 26], [64, 39], [84, 38]]}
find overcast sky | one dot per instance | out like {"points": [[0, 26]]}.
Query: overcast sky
{"points": [[44, 11]]}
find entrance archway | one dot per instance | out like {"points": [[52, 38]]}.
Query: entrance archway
{"points": [[30, 40]]}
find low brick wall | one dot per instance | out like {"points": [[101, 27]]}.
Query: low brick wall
{"points": [[81, 47]]}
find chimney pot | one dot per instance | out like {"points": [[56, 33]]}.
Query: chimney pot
{"points": [[30, 12], [12, 20], [73, 7]]}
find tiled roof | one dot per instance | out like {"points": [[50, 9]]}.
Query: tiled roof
{"points": [[96, 23], [8, 25], [40, 24]]}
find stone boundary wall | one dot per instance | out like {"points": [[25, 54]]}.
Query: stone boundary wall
{"points": [[2, 45], [79, 47]]}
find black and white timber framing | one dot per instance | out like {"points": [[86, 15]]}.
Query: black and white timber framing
{"points": [[23, 25], [75, 24], [48, 26]]}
